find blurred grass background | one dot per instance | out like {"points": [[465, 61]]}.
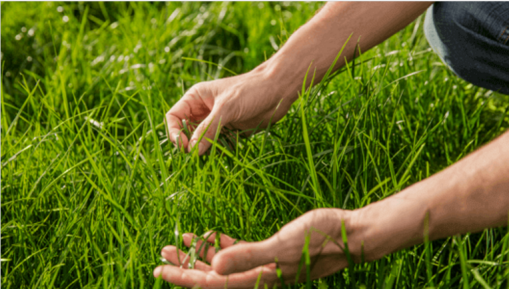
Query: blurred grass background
{"points": [[91, 189]]}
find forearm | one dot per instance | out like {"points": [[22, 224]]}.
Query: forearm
{"points": [[320, 40], [466, 197]]}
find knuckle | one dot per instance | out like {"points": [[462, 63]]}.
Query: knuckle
{"points": [[167, 275], [209, 280], [220, 104], [224, 111], [209, 127], [183, 275], [196, 89], [226, 106]]}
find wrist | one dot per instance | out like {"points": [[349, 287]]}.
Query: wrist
{"points": [[353, 229], [389, 225], [285, 76]]}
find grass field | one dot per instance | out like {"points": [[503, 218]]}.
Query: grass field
{"points": [[92, 190]]}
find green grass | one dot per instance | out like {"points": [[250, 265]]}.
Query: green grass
{"points": [[91, 189]]}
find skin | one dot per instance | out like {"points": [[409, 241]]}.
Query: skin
{"points": [[466, 197], [266, 93]]}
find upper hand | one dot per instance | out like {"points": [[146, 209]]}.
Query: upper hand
{"points": [[242, 102], [239, 265]]}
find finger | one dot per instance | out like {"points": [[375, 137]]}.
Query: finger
{"points": [[202, 248], [243, 257], [212, 280], [170, 254], [208, 248], [173, 119], [208, 128], [225, 240]]}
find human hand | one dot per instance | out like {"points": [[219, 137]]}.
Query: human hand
{"points": [[240, 265], [242, 102]]}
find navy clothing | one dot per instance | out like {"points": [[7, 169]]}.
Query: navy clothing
{"points": [[472, 39]]}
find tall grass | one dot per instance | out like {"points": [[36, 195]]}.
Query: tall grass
{"points": [[92, 190]]}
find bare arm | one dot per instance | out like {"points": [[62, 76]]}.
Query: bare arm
{"points": [[469, 196], [320, 40], [245, 101]]}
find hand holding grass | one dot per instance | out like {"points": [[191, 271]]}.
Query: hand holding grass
{"points": [[250, 263], [265, 94], [241, 102], [466, 197]]}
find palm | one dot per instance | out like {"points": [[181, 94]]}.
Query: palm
{"points": [[246, 263], [203, 275]]}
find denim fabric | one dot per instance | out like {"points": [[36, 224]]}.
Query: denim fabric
{"points": [[472, 39]]}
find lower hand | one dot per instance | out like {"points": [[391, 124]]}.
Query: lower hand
{"points": [[241, 265]]}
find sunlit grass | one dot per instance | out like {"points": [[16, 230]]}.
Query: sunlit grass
{"points": [[92, 190]]}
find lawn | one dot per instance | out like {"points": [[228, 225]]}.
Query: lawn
{"points": [[91, 189]]}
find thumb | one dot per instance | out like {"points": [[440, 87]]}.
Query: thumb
{"points": [[207, 130], [245, 256]]}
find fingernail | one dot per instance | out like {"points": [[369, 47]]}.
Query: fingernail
{"points": [[192, 144], [176, 139], [201, 149], [157, 271], [165, 251], [186, 237]]}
